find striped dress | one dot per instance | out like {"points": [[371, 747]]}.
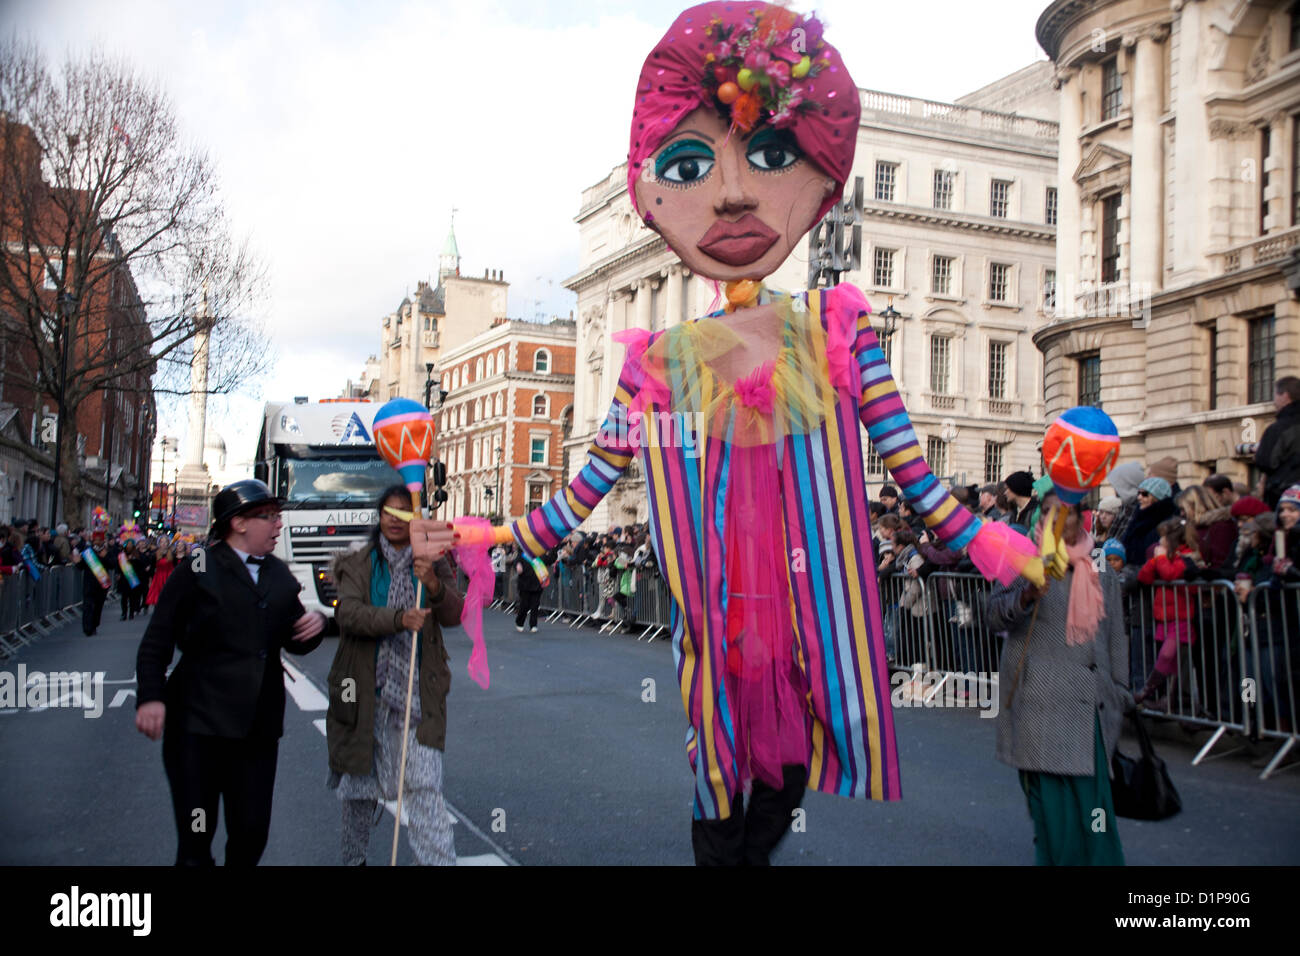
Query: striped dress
{"points": [[832, 589]]}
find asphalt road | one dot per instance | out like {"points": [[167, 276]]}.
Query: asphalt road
{"points": [[574, 755]]}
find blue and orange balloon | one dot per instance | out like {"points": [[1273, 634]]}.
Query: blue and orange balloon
{"points": [[1079, 450], [403, 431]]}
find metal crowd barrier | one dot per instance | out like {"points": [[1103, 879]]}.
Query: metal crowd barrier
{"points": [[1274, 616], [1238, 671], [30, 609]]}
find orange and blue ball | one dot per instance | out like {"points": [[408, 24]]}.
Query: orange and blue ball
{"points": [[1079, 450], [403, 431]]}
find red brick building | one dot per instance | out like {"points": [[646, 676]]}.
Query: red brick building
{"points": [[508, 409], [39, 266]]}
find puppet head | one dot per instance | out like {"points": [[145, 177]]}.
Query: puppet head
{"points": [[742, 136]]}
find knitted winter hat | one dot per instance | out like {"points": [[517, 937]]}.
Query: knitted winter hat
{"points": [[1020, 483], [1158, 488], [1290, 497], [1113, 547], [1166, 468], [1248, 506], [1112, 504]]}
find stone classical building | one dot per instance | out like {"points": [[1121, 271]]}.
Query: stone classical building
{"points": [[958, 231], [508, 409], [439, 316], [1179, 212]]}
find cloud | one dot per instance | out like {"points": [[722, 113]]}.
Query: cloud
{"points": [[344, 134]]}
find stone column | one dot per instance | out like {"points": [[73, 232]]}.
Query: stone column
{"points": [[1192, 160], [1145, 193], [673, 293], [644, 291], [1067, 199]]}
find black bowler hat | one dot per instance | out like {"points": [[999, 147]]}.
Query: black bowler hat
{"points": [[238, 497]]}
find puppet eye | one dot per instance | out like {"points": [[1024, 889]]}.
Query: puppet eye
{"points": [[773, 149], [685, 161]]}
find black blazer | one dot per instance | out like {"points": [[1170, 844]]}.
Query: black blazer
{"points": [[230, 631]]}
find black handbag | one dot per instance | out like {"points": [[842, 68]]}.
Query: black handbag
{"points": [[1141, 788]]}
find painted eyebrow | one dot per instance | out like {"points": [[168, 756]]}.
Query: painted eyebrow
{"points": [[693, 132]]}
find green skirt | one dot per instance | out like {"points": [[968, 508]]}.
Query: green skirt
{"points": [[1074, 817]]}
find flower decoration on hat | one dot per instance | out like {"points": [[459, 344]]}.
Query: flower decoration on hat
{"points": [[763, 68]]}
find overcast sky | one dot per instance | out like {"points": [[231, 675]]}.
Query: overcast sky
{"points": [[345, 132]]}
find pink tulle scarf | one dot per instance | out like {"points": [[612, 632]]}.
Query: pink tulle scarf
{"points": [[1087, 606]]}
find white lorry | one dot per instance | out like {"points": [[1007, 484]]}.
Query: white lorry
{"points": [[321, 460]]}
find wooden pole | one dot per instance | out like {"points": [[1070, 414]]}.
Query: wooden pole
{"points": [[410, 684]]}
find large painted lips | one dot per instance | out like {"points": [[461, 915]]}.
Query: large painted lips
{"points": [[738, 243]]}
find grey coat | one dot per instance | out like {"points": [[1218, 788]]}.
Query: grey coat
{"points": [[1049, 725]]}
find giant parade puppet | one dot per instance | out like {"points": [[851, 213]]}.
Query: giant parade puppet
{"points": [[743, 130]]}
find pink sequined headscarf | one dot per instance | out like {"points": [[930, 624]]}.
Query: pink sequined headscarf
{"points": [[672, 85]]}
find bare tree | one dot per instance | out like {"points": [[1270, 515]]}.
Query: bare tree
{"points": [[114, 234]]}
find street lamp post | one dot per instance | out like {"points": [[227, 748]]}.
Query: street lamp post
{"points": [[67, 304], [439, 481], [500, 501]]}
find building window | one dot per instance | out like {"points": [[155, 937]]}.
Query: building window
{"points": [[939, 364], [992, 461], [491, 365], [875, 464], [428, 323], [540, 405], [936, 456], [886, 179], [478, 370], [1049, 290], [1295, 27], [536, 495], [498, 404], [941, 276], [1260, 359], [1090, 380], [998, 369], [537, 452], [542, 361], [886, 340], [455, 380], [501, 360], [884, 268], [53, 274], [1214, 367], [999, 281], [1295, 153], [999, 198], [1265, 136], [1110, 238], [1112, 90], [1049, 215], [943, 180]]}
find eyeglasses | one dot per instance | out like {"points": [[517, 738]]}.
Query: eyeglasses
{"points": [[266, 515]]}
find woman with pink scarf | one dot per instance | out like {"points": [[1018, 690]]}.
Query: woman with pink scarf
{"points": [[1064, 675]]}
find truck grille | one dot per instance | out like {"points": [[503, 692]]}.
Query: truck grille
{"points": [[319, 545]]}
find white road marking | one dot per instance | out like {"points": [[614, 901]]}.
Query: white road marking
{"points": [[453, 816], [120, 697], [305, 694]]}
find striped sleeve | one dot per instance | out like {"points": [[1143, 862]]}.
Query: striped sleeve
{"points": [[544, 528], [890, 430]]}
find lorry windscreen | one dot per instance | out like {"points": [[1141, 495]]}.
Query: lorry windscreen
{"points": [[306, 483]]}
